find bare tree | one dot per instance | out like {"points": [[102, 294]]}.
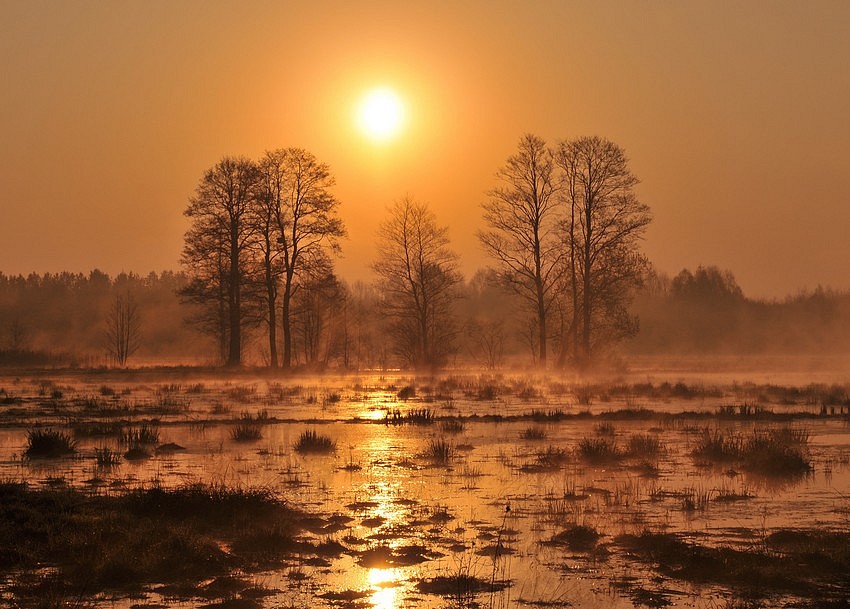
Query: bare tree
{"points": [[264, 216], [18, 336], [488, 338], [221, 232], [296, 189], [205, 257], [363, 341], [605, 224], [417, 277], [318, 311], [523, 217], [123, 328]]}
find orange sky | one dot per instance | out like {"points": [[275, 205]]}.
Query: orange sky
{"points": [[736, 117]]}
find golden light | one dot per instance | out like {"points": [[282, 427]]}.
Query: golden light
{"points": [[384, 583], [381, 114]]}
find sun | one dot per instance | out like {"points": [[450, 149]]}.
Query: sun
{"points": [[380, 114]]}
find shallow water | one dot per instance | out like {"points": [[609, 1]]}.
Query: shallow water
{"points": [[490, 510]]}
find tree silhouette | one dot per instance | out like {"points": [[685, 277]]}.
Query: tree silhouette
{"points": [[296, 193], [417, 277], [216, 249], [604, 226], [123, 328], [523, 217]]}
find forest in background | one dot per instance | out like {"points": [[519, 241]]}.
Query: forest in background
{"points": [[62, 320]]}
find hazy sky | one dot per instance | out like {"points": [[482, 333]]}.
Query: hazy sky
{"points": [[735, 115]]}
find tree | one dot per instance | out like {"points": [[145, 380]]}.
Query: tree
{"points": [[296, 190], [123, 328], [708, 286], [216, 247], [205, 256], [264, 216], [417, 278], [318, 315], [523, 218], [605, 223]]}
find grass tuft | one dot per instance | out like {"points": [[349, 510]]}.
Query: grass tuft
{"points": [[599, 450], [140, 436], [106, 457], [312, 442], [439, 452], [533, 434], [452, 426], [644, 446], [246, 432], [771, 452], [49, 443]]}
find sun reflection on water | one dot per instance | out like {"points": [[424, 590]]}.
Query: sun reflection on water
{"points": [[384, 582]]}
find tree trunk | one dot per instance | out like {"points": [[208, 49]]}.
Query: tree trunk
{"points": [[234, 354], [286, 321], [587, 290], [541, 297], [272, 328], [541, 322]]}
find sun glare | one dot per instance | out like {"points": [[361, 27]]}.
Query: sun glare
{"points": [[380, 114]]}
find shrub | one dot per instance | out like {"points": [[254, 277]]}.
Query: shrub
{"points": [[773, 452], [584, 395], [580, 538], [776, 452], [551, 458], [488, 392]]}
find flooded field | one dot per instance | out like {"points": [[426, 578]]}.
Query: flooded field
{"points": [[466, 490]]}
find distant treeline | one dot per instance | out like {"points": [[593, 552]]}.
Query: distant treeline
{"points": [[61, 319], [705, 311]]}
